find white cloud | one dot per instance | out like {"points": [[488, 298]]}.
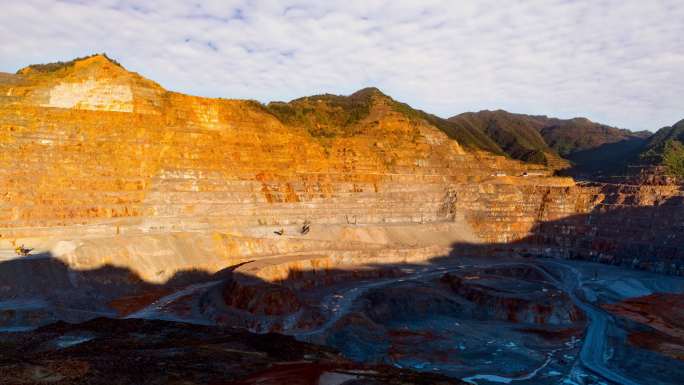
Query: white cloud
{"points": [[618, 62]]}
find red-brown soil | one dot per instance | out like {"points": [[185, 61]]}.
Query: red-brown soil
{"points": [[664, 313], [130, 304]]}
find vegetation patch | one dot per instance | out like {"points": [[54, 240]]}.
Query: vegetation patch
{"points": [[52, 67], [673, 158], [468, 137], [666, 148], [326, 116]]}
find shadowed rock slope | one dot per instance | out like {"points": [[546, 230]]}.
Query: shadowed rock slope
{"points": [[657, 159], [132, 352]]}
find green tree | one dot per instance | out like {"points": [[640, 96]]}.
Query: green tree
{"points": [[673, 158]]}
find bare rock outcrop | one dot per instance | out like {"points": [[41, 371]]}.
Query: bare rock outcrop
{"points": [[129, 174], [101, 166]]}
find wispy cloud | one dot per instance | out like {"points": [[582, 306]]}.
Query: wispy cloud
{"points": [[618, 62]]}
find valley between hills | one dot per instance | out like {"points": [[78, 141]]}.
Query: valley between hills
{"points": [[328, 240]]}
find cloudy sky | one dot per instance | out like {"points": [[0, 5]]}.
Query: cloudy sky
{"points": [[618, 62]]}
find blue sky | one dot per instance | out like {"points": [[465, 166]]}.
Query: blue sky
{"points": [[617, 62]]}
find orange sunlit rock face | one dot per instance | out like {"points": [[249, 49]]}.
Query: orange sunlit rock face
{"points": [[95, 146], [93, 141], [102, 166]]}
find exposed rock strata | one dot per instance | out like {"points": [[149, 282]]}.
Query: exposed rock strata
{"points": [[159, 182], [100, 166], [631, 225]]}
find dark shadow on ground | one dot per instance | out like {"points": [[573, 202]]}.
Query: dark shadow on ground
{"points": [[605, 161], [40, 289], [642, 237], [649, 238]]}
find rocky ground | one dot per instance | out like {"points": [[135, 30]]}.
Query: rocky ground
{"points": [[133, 352], [657, 322], [484, 320], [507, 320]]}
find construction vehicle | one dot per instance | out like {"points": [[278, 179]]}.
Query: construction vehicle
{"points": [[22, 251], [305, 228]]}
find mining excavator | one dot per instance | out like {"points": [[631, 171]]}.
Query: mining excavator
{"points": [[22, 251], [305, 228]]}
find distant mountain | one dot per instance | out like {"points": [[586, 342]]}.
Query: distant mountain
{"points": [[662, 156], [98, 83], [569, 136], [655, 145], [578, 144], [517, 135], [594, 148], [590, 147]]}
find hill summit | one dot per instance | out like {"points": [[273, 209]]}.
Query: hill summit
{"points": [[100, 83], [91, 83]]}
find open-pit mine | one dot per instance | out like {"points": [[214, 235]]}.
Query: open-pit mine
{"points": [[151, 237]]}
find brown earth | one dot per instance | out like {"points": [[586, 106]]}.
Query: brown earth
{"points": [[663, 313], [515, 299], [130, 304]]}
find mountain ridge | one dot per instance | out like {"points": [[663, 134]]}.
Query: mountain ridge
{"points": [[577, 144], [585, 144]]}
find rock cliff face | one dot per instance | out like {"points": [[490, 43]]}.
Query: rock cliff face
{"points": [[101, 166], [637, 226]]}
